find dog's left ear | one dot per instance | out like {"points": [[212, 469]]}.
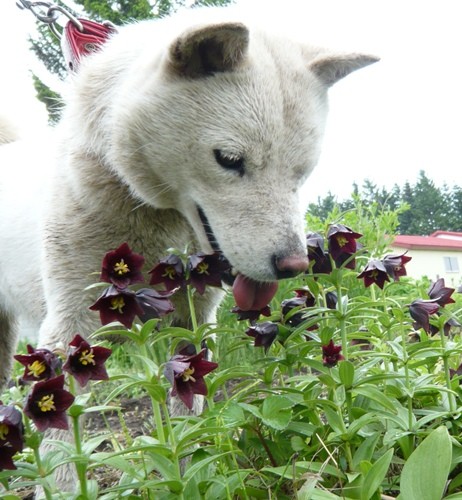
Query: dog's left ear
{"points": [[332, 68], [209, 49]]}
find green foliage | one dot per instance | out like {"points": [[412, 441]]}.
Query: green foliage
{"points": [[120, 11], [282, 424], [376, 222], [50, 98], [422, 207], [425, 474]]}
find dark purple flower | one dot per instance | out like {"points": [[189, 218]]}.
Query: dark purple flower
{"points": [[420, 311], [331, 300], [264, 334], [47, 403], [252, 315], [320, 259], [303, 299], [122, 267], [394, 264], [331, 354], [342, 240], [11, 428], [347, 260], [118, 305], [456, 373], [40, 364], [85, 362], [363, 344], [374, 272], [450, 323], [186, 374], [322, 265], [155, 304], [6, 458], [206, 270], [440, 293], [169, 271]]}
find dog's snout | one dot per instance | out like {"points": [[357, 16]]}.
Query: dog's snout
{"points": [[288, 266]]}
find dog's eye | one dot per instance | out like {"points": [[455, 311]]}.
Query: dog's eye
{"points": [[229, 161]]}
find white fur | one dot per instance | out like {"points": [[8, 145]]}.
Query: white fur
{"points": [[133, 158]]}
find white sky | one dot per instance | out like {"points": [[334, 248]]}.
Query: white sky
{"points": [[386, 122]]}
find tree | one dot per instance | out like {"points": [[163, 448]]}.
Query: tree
{"points": [[429, 208], [454, 203]]}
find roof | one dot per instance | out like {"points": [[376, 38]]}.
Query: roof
{"points": [[439, 240]]}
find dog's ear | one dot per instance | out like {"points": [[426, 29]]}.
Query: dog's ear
{"points": [[209, 49], [332, 68]]}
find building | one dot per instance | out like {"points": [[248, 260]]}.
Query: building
{"points": [[436, 256]]}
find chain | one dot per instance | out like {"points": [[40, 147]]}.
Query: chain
{"points": [[49, 13]]}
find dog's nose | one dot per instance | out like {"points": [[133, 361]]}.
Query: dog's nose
{"points": [[288, 266]]}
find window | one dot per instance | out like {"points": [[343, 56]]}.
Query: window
{"points": [[451, 264]]}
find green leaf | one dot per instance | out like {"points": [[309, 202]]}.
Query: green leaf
{"points": [[197, 466], [323, 495], [232, 415], [365, 450], [346, 371], [276, 412], [377, 396], [425, 473], [376, 475], [334, 420], [298, 443]]}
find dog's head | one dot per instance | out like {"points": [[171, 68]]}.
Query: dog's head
{"points": [[225, 125]]}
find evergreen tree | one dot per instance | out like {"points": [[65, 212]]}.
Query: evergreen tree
{"points": [[323, 207], [428, 208], [423, 207], [454, 203]]}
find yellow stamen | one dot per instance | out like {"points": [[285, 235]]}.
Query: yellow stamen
{"points": [[342, 241], [3, 431], [36, 368], [87, 358], [47, 403], [121, 268], [202, 268], [169, 272], [187, 375], [117, 304]]}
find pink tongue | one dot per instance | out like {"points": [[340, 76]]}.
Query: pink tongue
{"points": [[252, 295]]}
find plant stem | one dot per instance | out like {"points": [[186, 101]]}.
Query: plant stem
{"points": [[159, 421], [81, 467], [333, 397], [410, 414], [447, 373], [172, 444], [38, 460], [192, 310], [342, 322]]}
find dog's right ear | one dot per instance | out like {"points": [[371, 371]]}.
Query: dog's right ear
{"points": [[209, 49]]}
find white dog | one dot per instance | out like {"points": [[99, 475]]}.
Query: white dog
{"points": [[175, 129], [196, 131]]}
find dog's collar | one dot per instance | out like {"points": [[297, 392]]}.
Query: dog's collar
{"points": [[82, 38]]}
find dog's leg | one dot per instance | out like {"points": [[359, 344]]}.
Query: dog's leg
{"points": [[8, 341]]}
